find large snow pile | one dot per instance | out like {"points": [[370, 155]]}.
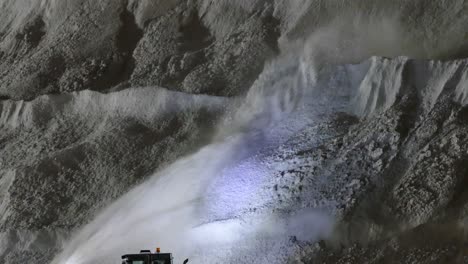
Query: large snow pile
{"points": [[233, 131]]}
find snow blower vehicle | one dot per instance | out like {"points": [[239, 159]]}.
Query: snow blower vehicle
{"points": [[146, 257]]}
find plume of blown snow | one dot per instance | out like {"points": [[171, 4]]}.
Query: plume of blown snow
{"points": [[170, 210]]}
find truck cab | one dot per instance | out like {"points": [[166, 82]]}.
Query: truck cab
{"points": [[146, 257]]}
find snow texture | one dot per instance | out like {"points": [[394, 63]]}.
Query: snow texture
{"points": [[233, 131]]}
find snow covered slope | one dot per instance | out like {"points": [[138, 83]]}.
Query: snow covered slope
{"points": [[346, 119]]}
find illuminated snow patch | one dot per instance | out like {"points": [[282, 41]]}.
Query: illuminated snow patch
{"points": [[237, 189]]}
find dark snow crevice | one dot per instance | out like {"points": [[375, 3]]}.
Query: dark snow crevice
{"points": [[194, 36], [122, 63], [32, 33]]}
